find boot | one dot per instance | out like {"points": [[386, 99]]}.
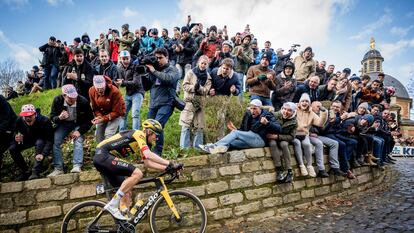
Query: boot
{"points": [[289, 177], [355, 164], [280, 176], [362, 162], [337, 172], [323, 174], [23, 176], [368, 160]]}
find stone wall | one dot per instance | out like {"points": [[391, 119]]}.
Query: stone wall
{"points": [[236, 186]]}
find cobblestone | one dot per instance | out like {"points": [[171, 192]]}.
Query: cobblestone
{"points": [[384, 209]]}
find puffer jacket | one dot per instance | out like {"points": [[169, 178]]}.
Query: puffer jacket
{"points": [[304, 68], [289, 126], [271, 62], [111, 105]]}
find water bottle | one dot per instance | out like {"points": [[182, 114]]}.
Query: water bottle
{"points": [[138, 203]]}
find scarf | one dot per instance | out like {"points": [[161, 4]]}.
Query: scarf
{"points": [[201, 75]]}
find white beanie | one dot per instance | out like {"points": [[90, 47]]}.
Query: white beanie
{"points": [[256, 103], [290, 105], [305, 96]]}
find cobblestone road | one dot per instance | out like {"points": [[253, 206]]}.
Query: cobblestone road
{"points": [[390, 210]]}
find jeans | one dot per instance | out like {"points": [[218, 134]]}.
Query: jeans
{"points": [[15, 150], [185, 137], [161, 114], [333, 146], [307, 150], [265, 101], [61, 132], [50, 76], [342, 152], [241, 140], [279, 149], [133, 102], [107, 129], [378, 149], [242, 85]]}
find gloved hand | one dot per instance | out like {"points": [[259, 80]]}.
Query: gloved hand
{"points": [[174, 167], [196, 86]]}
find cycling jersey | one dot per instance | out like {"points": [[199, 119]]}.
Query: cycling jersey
{"points": [[121, 145]]}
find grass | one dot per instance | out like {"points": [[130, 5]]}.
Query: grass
{"points": [[230, 108]]}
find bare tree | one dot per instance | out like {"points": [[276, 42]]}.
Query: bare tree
{"points": [[10, 73]]}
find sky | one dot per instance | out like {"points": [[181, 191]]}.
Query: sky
{"points": [[339, 31]]}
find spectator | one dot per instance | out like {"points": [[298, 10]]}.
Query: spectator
{"points": [[164, 36], [107, 113], [32, 129], [50, 62], [328, 91], [79, 73], [253, 46], [285, 86], [209, 45], [365, 80], [306, 118], [11, 94], [282, 59], [103, 43], [131, 80], [172, 46], [225, 52], [268, 50], [106, 66], [356, 86], [72, 115], [114, 46], [185, 51], [344, 93], [261, 80], [196, 85], [196, 34], [304, 65], [311, 88], [154, 41], [332, 130], [279, 143], [224, 80], [372, 94], [93, 56], [33, 81], [7, 125], [256, 124], [163, 85], [86, 45], [319, 141], [136, 45], [381, 77], [244, 57], [329, 73], [321, 72], [144, 40]]}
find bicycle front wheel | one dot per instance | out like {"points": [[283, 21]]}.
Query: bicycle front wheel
{"points": [[89, 216], [190, 208]]}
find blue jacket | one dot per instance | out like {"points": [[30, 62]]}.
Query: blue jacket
{"points": [[222, 85], [163, 85], [304, 88], [154, 43], [253, 124], [272, 62]]}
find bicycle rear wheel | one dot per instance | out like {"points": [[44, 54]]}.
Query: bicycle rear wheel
{"points": [[89, 216], [191, 209]]}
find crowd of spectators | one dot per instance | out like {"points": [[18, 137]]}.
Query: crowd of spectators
{"points": [[292, 100]]}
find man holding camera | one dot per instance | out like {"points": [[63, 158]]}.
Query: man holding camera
{"points": [[50, 62], [261, 80], [163, 78]]}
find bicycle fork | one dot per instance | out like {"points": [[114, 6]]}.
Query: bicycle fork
{"points": [[168, 200]]}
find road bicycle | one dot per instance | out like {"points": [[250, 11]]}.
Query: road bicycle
{"points": [[168, 211]]}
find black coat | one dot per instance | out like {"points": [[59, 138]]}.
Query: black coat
{"points": [[84, 113], [131, 80], [253, 124], [51, 54], [85, 74], [222, 85], [186, 55], [7, 116]]}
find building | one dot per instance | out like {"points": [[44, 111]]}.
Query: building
{"points": [[401, 102]]}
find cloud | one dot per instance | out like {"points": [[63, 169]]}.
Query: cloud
{"points": [[15, 4], [400, 31], [367, 30], [128, 12], [281, 22], [389, 50], [25, 55], [344, 6], [58, 2]]}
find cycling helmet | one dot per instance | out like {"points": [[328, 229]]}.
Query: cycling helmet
{"points": [[152, 125]]}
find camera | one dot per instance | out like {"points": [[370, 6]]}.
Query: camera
{"points": [[146, 60], [294, 47]]}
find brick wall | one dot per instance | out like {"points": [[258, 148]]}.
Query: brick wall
{"points": [[236, 186]]}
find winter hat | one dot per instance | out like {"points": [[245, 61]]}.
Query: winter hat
{"points": [[213, 28], [143, 28], [125, 26], [52, 38], [364, 105], [256, 102], [70, 91], [35, 68], [27, 110], [289, 64], [184, 29], [77, 39], [369, 118], [305, 96], [355, 78], [254, 41], [347, 70], [99, 81], [154, 31], [290, 105], [229, 43], [244, 35], [268, 55], [124, 53], [308, 49]]}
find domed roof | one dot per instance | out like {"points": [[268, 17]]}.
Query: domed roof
{"points": [[400, 90], [373, 53]]}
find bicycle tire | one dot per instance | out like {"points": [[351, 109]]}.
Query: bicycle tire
{"points": [[94, 207], [181, 200]]}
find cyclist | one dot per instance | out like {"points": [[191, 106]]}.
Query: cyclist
{"points": [[122, 174]]}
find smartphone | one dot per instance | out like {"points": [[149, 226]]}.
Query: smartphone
{"points": [[225, 26]]}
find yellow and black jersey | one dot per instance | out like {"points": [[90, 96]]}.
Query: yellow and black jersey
{"points": [[125, 144]]}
